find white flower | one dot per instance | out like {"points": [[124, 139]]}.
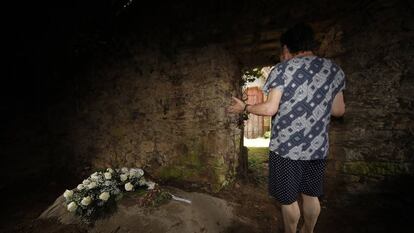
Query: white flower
{"points": [[95, 176], [86, 182], [123, 177], [142, 181], [107, 175], [92, 185], [86, 201], [124, 170], [134, 172], [104, 196], [68, 194], [140, 172], [110, 170], [80, 186], [72, 206], [151, 185], [129, 186]]}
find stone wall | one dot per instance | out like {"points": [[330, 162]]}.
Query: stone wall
{"points": [[162, 108], [373, 143], [164, 114]]}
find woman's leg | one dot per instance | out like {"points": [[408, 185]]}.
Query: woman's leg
{"points": [[291, 215], [311, 210]]}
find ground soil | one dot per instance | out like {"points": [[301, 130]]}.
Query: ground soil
{"points": [[261, 214]]}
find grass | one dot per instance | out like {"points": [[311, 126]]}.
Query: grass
{"points": [[257, 160], [258, 151]]}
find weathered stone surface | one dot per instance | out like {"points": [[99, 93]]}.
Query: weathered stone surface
{"points": [[204, 214], [96, 99], [168, 118], [374, 139]]}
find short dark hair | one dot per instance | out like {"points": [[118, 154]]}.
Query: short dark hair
{"points": [[298, 38]]}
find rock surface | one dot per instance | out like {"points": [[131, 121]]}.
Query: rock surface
{"points": [[205, 214], [165, 116]]}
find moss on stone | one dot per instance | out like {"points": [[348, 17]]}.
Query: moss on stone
{"points": [[192, 159], [185, 168], [171, 173], [377, 168], [192, 167], [220, 179]]}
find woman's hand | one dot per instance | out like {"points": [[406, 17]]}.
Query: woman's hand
{"points": [[237, 107]]}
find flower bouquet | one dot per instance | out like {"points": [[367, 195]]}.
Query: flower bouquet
{"points": [[98, 194]]}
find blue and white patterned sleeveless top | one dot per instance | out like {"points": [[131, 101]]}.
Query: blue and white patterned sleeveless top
{"points": [[300, 127]]}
